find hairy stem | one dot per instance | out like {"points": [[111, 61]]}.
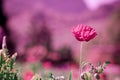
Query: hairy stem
{"points": [[80, 62]]}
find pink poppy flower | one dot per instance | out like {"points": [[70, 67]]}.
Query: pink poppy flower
{"points": [[83, 32]]}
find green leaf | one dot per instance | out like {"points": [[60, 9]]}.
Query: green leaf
{"points": [[15, 77], [11, 64]]}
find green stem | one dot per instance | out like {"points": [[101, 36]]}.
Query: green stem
{"points": [[80, 62]]}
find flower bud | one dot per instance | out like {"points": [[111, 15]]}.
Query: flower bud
{"points": [[97, 76], [82, 76]]}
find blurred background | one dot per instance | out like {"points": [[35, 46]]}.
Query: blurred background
{"points": [[40, 31]]}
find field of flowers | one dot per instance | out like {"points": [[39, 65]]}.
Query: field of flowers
{"points": [[33, 70]]}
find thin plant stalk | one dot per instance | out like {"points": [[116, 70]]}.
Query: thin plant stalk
{"points": [[80, 62]]}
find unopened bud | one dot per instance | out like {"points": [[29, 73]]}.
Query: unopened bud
{"points": [[83, 76], [97, 76]]}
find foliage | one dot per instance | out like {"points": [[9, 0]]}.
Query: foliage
{"points": [[7, 71], [94, 72]]}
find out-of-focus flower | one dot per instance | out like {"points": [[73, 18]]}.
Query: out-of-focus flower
{"points": [[35, 53], [83, 32], [47, 65], [54, 56], [28, 75]]}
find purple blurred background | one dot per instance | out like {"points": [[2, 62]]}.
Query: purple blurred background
{"points": [[40, 30]]}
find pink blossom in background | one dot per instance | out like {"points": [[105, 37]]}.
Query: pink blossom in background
{"points": [[47, 65], [35, 53], [28, 75], [83, 32], [54, 56]]}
